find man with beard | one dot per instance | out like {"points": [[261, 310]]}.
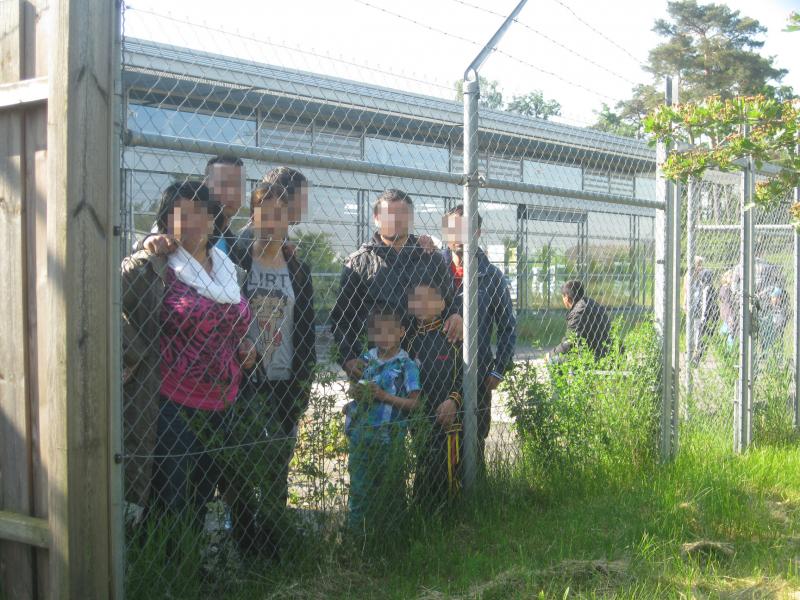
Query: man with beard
{"points": [[381, 272]]}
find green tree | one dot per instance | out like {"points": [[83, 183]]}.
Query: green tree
{"points": [[713, 131], [713, 49], [628, 118], [794, 22], [316, 250], [491, 96], [534, 104]]}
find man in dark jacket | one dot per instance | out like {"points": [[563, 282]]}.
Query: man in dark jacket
{"points": [[587, 319], [381, 271], [495, 309]]}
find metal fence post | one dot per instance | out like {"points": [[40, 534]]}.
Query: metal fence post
{"points": [[796, 349], [691, 252], [663, 286], [471, 95], [674, 275], [743, 403]]}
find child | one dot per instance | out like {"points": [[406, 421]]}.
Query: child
{"points": [[439, 361], [377, 422]]}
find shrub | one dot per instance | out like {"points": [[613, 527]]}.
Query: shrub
{"points": [[584, 416]]}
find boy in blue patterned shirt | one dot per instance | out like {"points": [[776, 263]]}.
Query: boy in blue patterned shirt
{"points": [[376, 425]]}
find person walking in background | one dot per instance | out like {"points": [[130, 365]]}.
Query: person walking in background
{"points": [[729, 306], [185, 325], [495, 315], [775, 315], [586, 319], [702, 302]]}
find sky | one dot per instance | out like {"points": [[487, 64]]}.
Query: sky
{"points": [[424, 46]]}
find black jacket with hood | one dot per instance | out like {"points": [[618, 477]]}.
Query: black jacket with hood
{"points": [[379, 274]]}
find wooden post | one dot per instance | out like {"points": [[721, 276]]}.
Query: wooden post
{"points": [[79, 240]]}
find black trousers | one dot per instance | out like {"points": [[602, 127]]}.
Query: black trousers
{"points": [[266, 430]]}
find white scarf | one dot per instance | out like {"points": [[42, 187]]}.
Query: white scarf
{"points": [[221, 285]]}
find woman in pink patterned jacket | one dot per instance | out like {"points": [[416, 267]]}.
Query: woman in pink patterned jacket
{"points": [[185, 345]]}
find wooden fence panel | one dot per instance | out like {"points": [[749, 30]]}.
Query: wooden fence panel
{"points": [[56, 230]]}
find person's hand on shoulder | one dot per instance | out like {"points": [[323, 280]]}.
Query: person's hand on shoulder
{"points": [[160, 244], [426, 243]]}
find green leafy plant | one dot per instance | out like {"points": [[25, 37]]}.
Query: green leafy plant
{"points": [[585, 416], [714, 130]]}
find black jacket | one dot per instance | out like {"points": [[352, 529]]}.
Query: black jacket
{"points": [[588, 321], [495, 309], [377, 273], [304, 337], [439, 365]]}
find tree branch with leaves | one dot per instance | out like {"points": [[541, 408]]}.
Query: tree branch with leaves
{"points": [[714, 128]]}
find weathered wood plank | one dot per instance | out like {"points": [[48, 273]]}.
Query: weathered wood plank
{"points": [[18, 94], [16, 560], [30, 531], [79, 238], [35, 65], [36, 201], [10, 41]]}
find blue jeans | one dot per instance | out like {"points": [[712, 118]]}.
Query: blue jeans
{"points": [[378, 472], [185, 475]]}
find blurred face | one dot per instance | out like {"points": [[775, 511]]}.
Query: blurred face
{"points": [[226, 185], [454, 233], [425, 303], [567, 302], [298, 204], [271, 220], [393, 220], [386, 332], [191, 223]]}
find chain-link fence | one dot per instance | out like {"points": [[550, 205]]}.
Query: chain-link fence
{"points": [[711, 299], [293, 301], [713, 304]]}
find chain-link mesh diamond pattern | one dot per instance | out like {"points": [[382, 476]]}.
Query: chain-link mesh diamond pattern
{"points": [[711, 313], [293, 366]]}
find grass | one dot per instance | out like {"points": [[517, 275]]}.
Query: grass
{"points": [[615, 536], [546, 329], [582, 511]]}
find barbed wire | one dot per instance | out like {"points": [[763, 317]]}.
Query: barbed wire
{"points": [[285, 46], [496, 50], [418, 23], [555, 75], [549, 39], [639, 62]]}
